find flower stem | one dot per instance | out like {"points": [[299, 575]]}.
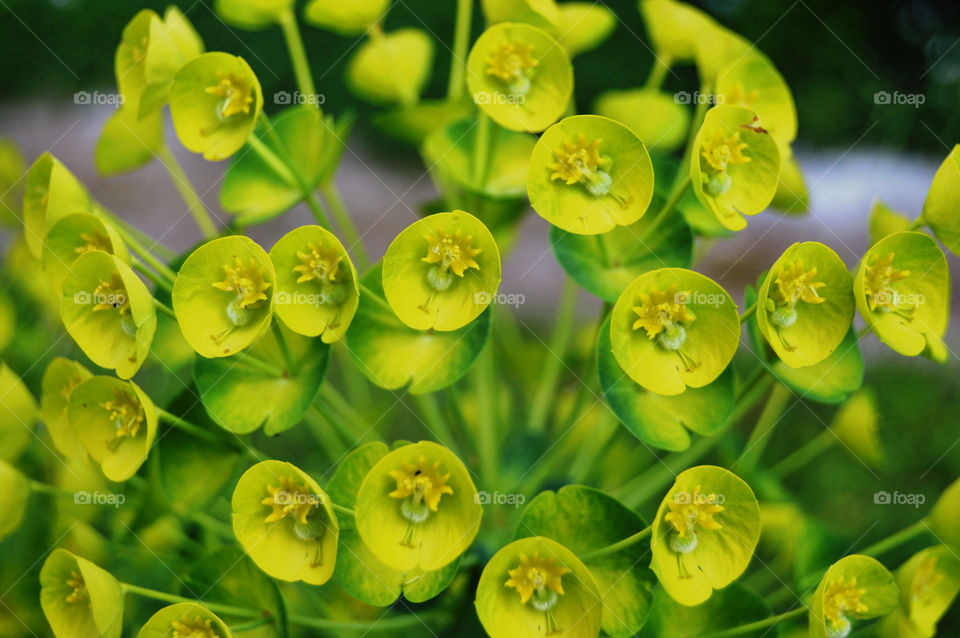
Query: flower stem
{"points": [[768, 420], [358, 428], [488, 426], [140, 266], [343, 510], [165, 309], [545, 395], [616, 547], [148, 258], [481, 150], [196, 430], [251, 625], [321, 422], [662, 215], [458, 59], [658, 72], [292, 367], [345, 223], [298, 55], [52, 490], [194, 204], [896, 539], [755, 626], [749, 312], [436, 422], [216, 608], [804, 454]]}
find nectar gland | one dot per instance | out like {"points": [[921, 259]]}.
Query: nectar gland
{"points": [[322, 266], [297, 502], [512, 63], [839, 599], [450, 255], [720, 151], [250, 291], [198, 628], [580, 162], [112, 295], [794, 284], [236, 92], [688, 512], [419, 489], [878, 283], [663, 315], [127, 415], [79, 587], [538, 581]]}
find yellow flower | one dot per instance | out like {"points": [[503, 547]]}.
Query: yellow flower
{"points": [[453, 252], [795, 284], [576, 160], [535, 576], [319, 263], [246, 281], [290, 499], [661, 311], [421, 483], [112, 295], [198, 628], [687, 511], [720, 151], [511, 61], [878, 282], [126, 412], [839, 598], [236, 91]]}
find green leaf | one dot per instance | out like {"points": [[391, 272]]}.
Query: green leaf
{"points": [[830, 381], [605, 264], [584, 520], [392, 354], [727, 608], [192, 470], [240, 396], [658, 118], [18, 414], [659, 420], [128, 142]]}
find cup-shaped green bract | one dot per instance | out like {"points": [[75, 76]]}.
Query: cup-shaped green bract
{"points": [[59, 380], [317, 287], [704, 534], [391, 67], [735, 165], [442, 271], [856, 425], [751, 81], [345, 18], [185, 620], [854, 588], [885, 221], [943, 519], [116, 423], [223, 295], [253, 14], [128, 142], [674, 28], [659, 119], [73, 236], [79, 599], [544, 14], [902, 290], [519, 76], [286, 523], [673, 328], [417, 508], [51, 193], [941, 209], [589, 174], [805, 305], [534, 588], [583, 26], [215, 100], [716, 47], [151, 51], [14, 492], [18, 414], [793, 195], [929, 583], [109, 312]]}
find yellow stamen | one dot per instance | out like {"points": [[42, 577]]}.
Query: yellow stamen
{"points": [[111, 295], [318, 263], [660, 311], [795, 284], [126, 412], [841, 598], [79, 586], [236, 91], [536, 575], [511, 61], [452, 252], [246, 281], [290, 499], [422, 483], [199, 628], [93, 241], [721, 151], [690, 510], [878, 283]]}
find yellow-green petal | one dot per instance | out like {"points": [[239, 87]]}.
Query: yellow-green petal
{"points": [[940, 207], [14, 492], [253, 14], [71, 237], [98, 614], [879, 591], [61, 377], [345, 18], [751, 81], [391, 67], [583, 26], [52, 192], [657, 118], [18, 414], [163, 624]]}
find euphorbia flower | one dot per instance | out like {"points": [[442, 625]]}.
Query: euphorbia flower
{"points": [[18, 414], [185, 620], [929, 583], [79, 599], [51, 193], [416, 508], [854, 588], [253, 14], [60, 379], [116, 423], [940, 208], [537, 587], [442, 271], [73, 236], [286, 522], [14, 493]]}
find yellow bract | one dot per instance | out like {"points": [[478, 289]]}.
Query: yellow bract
{"points": [[839, 598], [511, 61], [246, 281], [319, 263], [877, 282], [660, 311], [720, 151], [290, 499], [198, 628], [795, 284], [453, 252], [126, 412], [112, 295], [687, 510], [535, 575], [236, 91], [421, 483]]}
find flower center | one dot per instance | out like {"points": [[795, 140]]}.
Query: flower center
{"points": [[451, 254], [580, 162], [198, 628], [740, 97], [249, 287], [878, 281], [663, 315], [720, 151], [237, 94], [318, 264], [139, 50], [419, 488], [93, 241], [111, 295], [840, 598], [539, 582], [79, 587], [794, 284], [126, 413], [688, 512], [70, 386], [512, 63]]}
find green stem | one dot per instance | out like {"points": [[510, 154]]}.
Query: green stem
{"points": [[488, 425], [768, 420], [321, 423], [141, 266], [345, 223], [251, 625], [249, 359], [273, 160], [863, 332], [298, 55], [216, 608], [148, 258], [895, 540], [436, 422], [461, 40], [129, 229], [545, 395], [165, 309], [804, 454], [661, 216], [481, 150], [616, 547], [756, 626], [292, 367], [52, 490], [378, 299], [344, 510], [749, 312], [182, 182], [195, 430], [359, 429], [658, 72]]}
